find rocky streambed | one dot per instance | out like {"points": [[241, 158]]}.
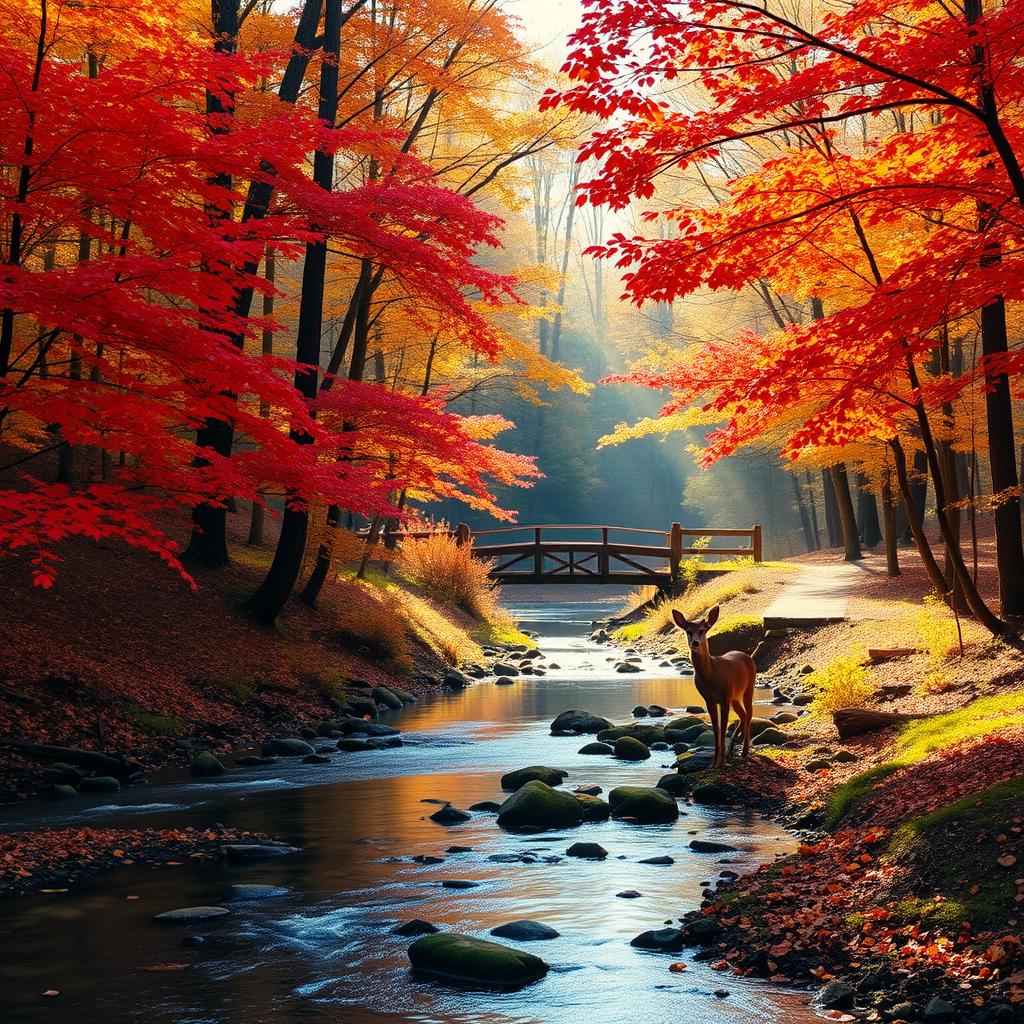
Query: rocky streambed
{"points": [[434, 881]]}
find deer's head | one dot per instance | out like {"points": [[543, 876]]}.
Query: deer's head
{"points": [[696, 632]]}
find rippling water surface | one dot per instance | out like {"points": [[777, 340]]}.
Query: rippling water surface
{"points": [[324, 951]]}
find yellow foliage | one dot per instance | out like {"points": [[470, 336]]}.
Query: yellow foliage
{"points": [[449, 573], [377, 624], [843, 683], [937, 629]]}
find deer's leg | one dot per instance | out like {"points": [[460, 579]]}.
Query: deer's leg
{"points": [[723, 725], [748, 704], [741, 725]]}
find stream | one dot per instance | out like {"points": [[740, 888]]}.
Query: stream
{"points": [[323, 951]]}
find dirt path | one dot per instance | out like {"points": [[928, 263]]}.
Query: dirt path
{"points": [[819, 594]]}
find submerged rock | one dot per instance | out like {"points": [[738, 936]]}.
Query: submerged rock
{"points": [[416, 926], [99, 784], [587, 851], [517, 779], [486, 805], [186, 915], [537, 805], [449, 815], [645, 806], [205, 765], [258, 851], [596, 748], [710, 846], [463, 958], [661, 940], [525, 931], [593, 808], [254, 891], [455, 680], [504, 681], [579, 722]]}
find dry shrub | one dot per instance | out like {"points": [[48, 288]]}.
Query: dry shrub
{"points": [[843, 683], [375, 626], [448, 572]]}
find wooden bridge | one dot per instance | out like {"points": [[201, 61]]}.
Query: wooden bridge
{"points": [[594, 554]]}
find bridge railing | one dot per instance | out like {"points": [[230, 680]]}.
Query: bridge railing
{"points": [[600, 557]]}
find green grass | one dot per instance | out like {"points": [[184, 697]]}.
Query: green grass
{"points": [[498, 633], [917, 740], [154, 723], [254, 558], [954, 847]]}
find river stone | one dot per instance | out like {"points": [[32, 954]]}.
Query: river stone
{"points": [[537, 805], [712, 792], [629, 749], [449, 815], [258, 851], [459, 849], [515, 780], [99, 784], [836, 995], [770, 737], [254, 760], [352, 744], [62, 791], [646, 734], [628, 666], [504, 668], [801, 700], [454, 680], [645, 806], [286, 747], [938, 1011], [426, 858], [817, 764], [663, 860], [656, 711], [525, 931], [463, 958], [688, 733], [416, 926], [588, 789], [205, 764], [187, 915], [760, 725], [702, 931], [486, 805], [362, 706], [595, 748], [710, 846], [504, 681], [382, 695], [629, 894], [662, 940], [587, 851], [459, 883], [593, 808], [783, 717], [845, 757], [579, 722], [639, 711], [673, 784], [403, 695], [694, 761], [316, 759], [254, 891], [705, 739]]}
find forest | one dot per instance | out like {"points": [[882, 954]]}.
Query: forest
{"points": [[333, 333]]}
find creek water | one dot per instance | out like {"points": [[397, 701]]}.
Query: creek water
{"points": [[324, 952]]}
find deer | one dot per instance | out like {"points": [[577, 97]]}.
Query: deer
{"points": [[724, 682]]}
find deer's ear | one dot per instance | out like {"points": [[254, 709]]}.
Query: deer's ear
{"points": [[712, 617], [681, 621]]}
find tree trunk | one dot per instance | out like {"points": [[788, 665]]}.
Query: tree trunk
{"points": [[259, 511], [831, 509], [867, 508], [268, 600], [813, 505], [892, 558], [208, 541], [805, 519], [847, 520], [924, 549]]}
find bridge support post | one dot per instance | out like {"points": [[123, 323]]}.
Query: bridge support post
{"points": [[756, 541], [463, 535], [675, 552], [538, 555]]}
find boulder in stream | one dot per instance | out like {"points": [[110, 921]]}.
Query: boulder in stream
{"points": [[189, 915], [538, 806], [417, 926], [463, 958], [642, 805], [517, 779], [584, 722], [287, 746], [450, 815], [205, 764], [629, 749], [596, 748], [660, 940], [525, 931]]}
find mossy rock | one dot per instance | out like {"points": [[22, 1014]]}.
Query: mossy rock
{"points": [[646, 734], [629, 749], [403, 695], [579, 722], [596, 748], [740, 633], [463, 958], [705, 739], [690, 733], [674, 784], [382, 695], [771, 737], [538, 806], [205, 764], [694, 761], [286, 747], [760, 725], [511, 781], [643, 805], [685, 722], [594, 808], [712, 792]]}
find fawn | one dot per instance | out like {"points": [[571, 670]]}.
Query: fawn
{"points": [[723, 682]]}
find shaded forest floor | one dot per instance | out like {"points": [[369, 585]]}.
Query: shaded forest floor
{"points": [[908, 894], [121, 656]]}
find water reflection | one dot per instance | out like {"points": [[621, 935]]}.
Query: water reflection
{"points": [[324, 951]]}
